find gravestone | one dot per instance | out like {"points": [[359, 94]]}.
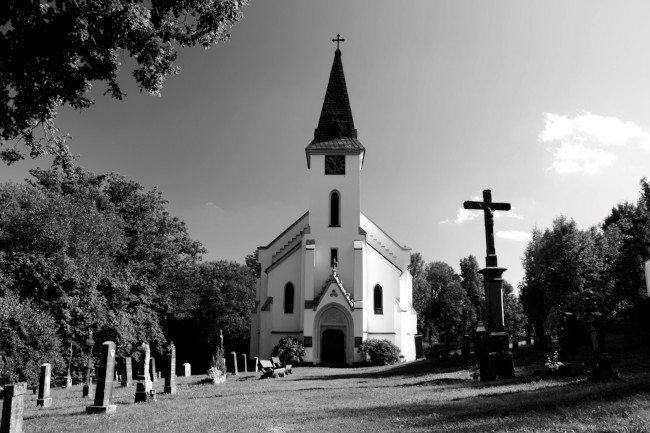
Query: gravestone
{"points": [[44, 398], [187, 367], [152, 369], [13, 407], [127, 372], [232, 363], [87, 391], [170, 374], [601, 363], [243, 366], [104, 389], [144, 389], [419, 347], [145, 356], [497, 342]]}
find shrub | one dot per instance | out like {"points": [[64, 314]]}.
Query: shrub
{"points": [[218, 361], [381, 352], [290, 351]]}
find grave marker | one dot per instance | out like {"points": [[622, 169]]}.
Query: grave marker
{"points": [[233, 363], [152, 369], [127, 372], [44, 398], [104, 389], [13, 407], [170, 374], [188, 369]]}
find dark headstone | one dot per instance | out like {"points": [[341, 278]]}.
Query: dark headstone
{"points": [[44, 398], [419, 348], [87, 390], [127, 372], [601, 363], [104, 389], [170, 373], [13, 407]]}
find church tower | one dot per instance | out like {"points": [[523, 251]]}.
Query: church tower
{"points": [[334, 159]]}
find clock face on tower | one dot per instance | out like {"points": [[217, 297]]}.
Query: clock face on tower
{"points": [[334, 164]]}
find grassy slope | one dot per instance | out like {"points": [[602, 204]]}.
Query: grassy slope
{"points": [[419, 396]]}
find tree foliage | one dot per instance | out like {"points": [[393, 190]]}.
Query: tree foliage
{"points": [[54, 50], [227, 297], [564, 263], [98, 254], [28, 339]]}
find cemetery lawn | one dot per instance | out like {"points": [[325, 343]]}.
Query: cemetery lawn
{"points": [[426, 395]]}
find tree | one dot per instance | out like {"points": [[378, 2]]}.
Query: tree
{"points": [[253, 263], [416, 265], [472, 283], [53, 51], [227, 297], [27, 340], [513, 313], [97, 253]]}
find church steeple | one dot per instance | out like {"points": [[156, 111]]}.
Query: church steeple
{"points": [[335, 132]]}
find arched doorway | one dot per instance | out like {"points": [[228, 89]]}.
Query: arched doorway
{"points": [[333, 336], [333, 346]]}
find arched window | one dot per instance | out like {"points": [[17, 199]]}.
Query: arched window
{"points": [[378, 300], [335, 209], [288, 298]]}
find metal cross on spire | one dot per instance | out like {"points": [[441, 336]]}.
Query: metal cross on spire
{"points": [[337, 40]]}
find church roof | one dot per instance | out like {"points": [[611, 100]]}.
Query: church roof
{"points": [[335, 132]]}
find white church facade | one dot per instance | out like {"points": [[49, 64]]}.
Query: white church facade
{"points": [[333, 278]]}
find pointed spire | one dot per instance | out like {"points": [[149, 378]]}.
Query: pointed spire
{"points": [[336, 115], [335, 131]]}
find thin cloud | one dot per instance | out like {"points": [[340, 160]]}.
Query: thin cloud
{"points": [[586, 142], [462, 215], [514, 235]]}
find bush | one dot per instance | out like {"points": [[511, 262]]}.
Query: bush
{"points": [[218, 361], [381, 352], [290, 351]]}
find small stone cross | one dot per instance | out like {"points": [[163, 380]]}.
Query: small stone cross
{"points": [[488, 207], [337, 40]]}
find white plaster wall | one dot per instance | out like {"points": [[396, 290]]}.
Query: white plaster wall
{"points": [[349, 188], [287, 271], [388, 277]]}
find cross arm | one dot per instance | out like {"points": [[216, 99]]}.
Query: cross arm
{"points": [[473, 205]]}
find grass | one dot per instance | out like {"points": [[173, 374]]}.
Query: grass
{"points": [[430, 395]]}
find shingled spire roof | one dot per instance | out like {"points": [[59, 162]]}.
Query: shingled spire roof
{"points": [[335, 132]]}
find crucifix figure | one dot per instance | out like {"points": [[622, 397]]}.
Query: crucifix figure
{"points": [[337, 40], [488, 207]]}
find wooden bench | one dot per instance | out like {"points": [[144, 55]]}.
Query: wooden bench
{"points": [[267, 369], [277, 364]]}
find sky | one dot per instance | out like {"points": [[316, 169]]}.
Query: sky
{"points": [[547, 104]]}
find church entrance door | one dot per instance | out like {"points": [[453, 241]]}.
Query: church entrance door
{"points": [[333, 346]]}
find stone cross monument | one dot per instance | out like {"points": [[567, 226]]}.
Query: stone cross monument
{"points": [[497, 360]]}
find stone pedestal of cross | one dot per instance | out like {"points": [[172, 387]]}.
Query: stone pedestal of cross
{"points": [[496, 360]]}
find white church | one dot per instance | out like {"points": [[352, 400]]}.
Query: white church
{"points": [[333, 278]]}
